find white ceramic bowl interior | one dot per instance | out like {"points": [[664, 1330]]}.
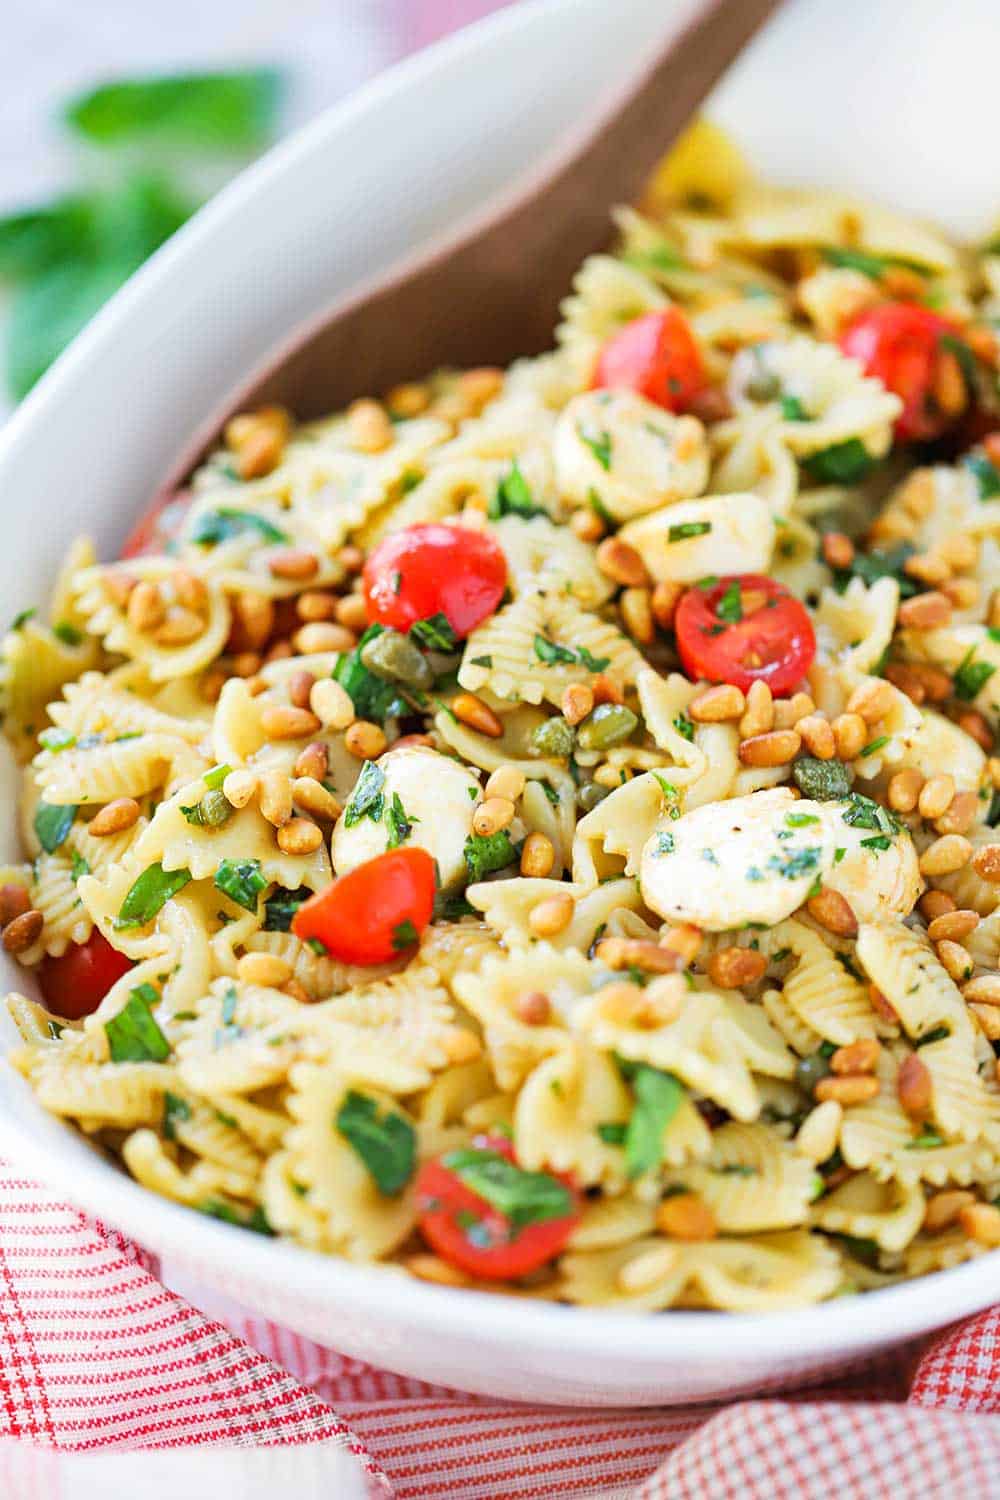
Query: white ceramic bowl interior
{"points": [[839, 94]]}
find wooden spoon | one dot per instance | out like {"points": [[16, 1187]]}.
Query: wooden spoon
{"points": [[489, 290]]}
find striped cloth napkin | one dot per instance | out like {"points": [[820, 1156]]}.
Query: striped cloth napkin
{"points": [[100, 1363]]}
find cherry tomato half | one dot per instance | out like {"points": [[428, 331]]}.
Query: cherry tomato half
{"points": [[657, 356], [469, 1231], [75, 983], [374, 912], [435, 569], [900, 344], [743, 630]]}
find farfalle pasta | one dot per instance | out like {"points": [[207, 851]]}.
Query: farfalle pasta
{"points": [[537, 828]]}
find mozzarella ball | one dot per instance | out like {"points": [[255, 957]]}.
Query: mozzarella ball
{"points": [[721, 534], [876, 882], [627, 454]]}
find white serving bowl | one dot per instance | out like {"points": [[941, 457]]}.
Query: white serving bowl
{"points": [[833, 93]]}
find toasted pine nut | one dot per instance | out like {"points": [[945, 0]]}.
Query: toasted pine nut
{"points": [[981, 1222], [266, 969], [276, 797], [859, 1057], [717, 704], [946, 855], [935, 903], [622, 563], [832, 911], [788, 711], [117, 586], [480, 386], [988, 1020], [637, 614], [331, 703], [955, 959], [953, 926], [820, 1131], [963, 593], [179, 627], [928, 568], [664, 601], [607, 691], [949, 384], [976, 725], [906, 680], [254, 619], [856, 1089], [299, 836], [685, 1216], [538, 856], [759, 716], [212, 683], [872, 700], [365, 740], [316, 604], [685, 940], [984, 989], [281, 721], [643, 1272], [637, 953], [247, 664], [944, 1208], [408, 400], [881, 1006], [258, 440], [986, 863], [851, 734], [114, 817], [506, 781], [368, 426], [576, 703], [428, 1267], [587, 525], [936, 683], [551, 916], [15, 900], [776, 748], [352, 611], [731, 968], [294, 563], [300, 685], [817, 736], [189, 590], [146, 609], [23, 931], [904, 789], [492, 815], [323, 635], [240, 787], [935, 796], [914, 1087], [925, 611], [533, 1008], [962, 813], [351, 558], [312, 796], [470, 710], [313, 761], [838, 550]]}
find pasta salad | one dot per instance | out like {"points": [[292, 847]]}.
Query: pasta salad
{"points": [[537, 829]]}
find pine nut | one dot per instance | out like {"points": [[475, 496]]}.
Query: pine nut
{"points": [[953, 926], [240, 787], [984, 989], [788, 711], [717, 704], [976, 725], [643, 1272], [612, 776], [925, 611], [312, 797], [820, 1131], [313, 761], [538, 856], [472, 711], [851, 734], [981, 1222], [955, 959], [323, 635], [551, 916], [962, 813], [427, 1267], [944, 1208], [114, 817], [351, 558], [685, 1216], [935, 903], [857, 1089], [492, 815], [480, 386], [776, 748], [665, 599], [685, 940], [577, 702], [838, 550], [622, 563], [606, 691], [276, 797], [368, 426], [189, 590], [759, 716], [118, 587], [23, 931], [316, 604], [832, 911], [15, 900], [254, 619], [881, 1006], [935, 682], [408, 400], [266, 969], [247, 664], [300, 685], [587, 525], [506, 781], [331, 704], [859, 1057], [211, 685], [927, 568], [637, 615], [986, 863], [935, 796], [146, 609], [281, 721], [299, 836], [533, 1008], [817, 736], [904, 789], [636, 953], [906, 680], [293, 563], [914, 1087], [364, 740], [872, 700], [946, 855], [352, 611], [258, 440], [731, 968], [179, 627], [987, 1019]]}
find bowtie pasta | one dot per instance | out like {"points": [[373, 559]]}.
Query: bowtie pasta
{"points": [[537, 829]]}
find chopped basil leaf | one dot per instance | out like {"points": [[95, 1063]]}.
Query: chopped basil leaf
{"points": [[222, 111], [800, 820], [368, 797], [986, 474], [937, 1035], [552, 654], [222, 525], [685, 529], [373, 699], [599, 508], [658, 257], [879, 743], [149, 894], [592, 663], [218, 1208], [434, 633], [56, 739], [925, 1141], [67, 633], [522, 1197], [864, 812], [971, 676], [482, 661], [793, 863], [22, 617], [174, 1108], [486, 853], [613, 1132], [215, 776], [78, 865], [387, 1146], [599, 445], [730, 605], [513, 497], [878, 842], [871, 566], [242, 881], [792, 409], [398, 822], [133, 1035], [281, 906], [841, 463], [658, 1097], [684, 726], [404, 935], [52, 822], [873, 266]]}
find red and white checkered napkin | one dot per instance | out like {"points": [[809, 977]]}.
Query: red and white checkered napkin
{"points": [[100, 1363]]}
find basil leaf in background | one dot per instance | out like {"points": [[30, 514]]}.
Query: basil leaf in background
{"points": [[513, 497], [970, 677], [241, 880], [229, 111], [52, 822], [434, 633], [982, 468], [150, 892], [613, 1132], [484, 854], [174, 1108], [133, 1035], [523, 1197], [599, 444], [871, 566], [367, 799], [37, 238], [841, 463], [658, 1097], [215, 526], [281, 906], [218, 1208], [387, 1146]]}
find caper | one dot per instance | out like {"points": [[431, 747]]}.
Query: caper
{"points": [[809, 1070], [763, 385], [216, 809], [394, 657], [590, 794], [609, 724], [823, 780], [554, 738]]}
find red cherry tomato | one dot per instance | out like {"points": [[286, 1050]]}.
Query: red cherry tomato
{"points": [[900, 344], [435, 569], [657, 356], [468, 1231], [766, 636], [374, 912], [158, 526], [75, 983]]}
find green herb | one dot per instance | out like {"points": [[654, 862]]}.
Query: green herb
{"points": [[215, 776], [551, 793], [56, 739], [175, 1109], [841, 463], [149, 894], [793, 863], [482, 661], [613, 1132], [865, 812], [937, 1035], [222, 525], [522, 1197], [404, 935], [800, 820], [792, 409], [374, 700], [434, 633], [658, 257], [409, 480], [971, 676], [22, 617], [993, 816], [486, 853], [925, 1141], [592, 663], [993, 633], [67, 633], [398, 822], [227, 111], [658, 1097], [218, 1208], [513, 497], [368, 797], [878, 842], [871, 566], [387, 1146], [873, 266], [599, 445], [730, 605], [879, 743], [242, 880], [547, 651], [986, 474], [685, 529], [281, 906], [599, 508], [684, 726], [78, 865], [317, 946], [664, 844], [133, 1035]]}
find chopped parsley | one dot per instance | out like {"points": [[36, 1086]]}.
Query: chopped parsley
{"points": [[555, 655], [684, 726], [794, 863], [67, 633], [841, 463], [22, 617], [434, 634], [684, 530], [398, 821], [175, 1108], [242, 880], [281, 906], [486, 853], [971, 676], [368, 797], [730, 605], [404, 935], [78, 866], [513, 497], [792, 409], [871, 566], [599, 444], [937, 1035], [56, 739]]}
